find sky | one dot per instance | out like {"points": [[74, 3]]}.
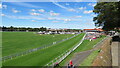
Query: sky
{"points": [[70, 15]]}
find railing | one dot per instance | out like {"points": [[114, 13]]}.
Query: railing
{"points": [[100, 42], [32, 50], [65, 54]]}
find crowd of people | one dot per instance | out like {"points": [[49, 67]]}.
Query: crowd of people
{"points": [[70, 65]]}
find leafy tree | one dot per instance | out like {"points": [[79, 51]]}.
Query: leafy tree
{"points": [[11, 28], [43, 29], [107, 15]]}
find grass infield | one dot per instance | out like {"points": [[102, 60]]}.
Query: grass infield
{"points": [[16, 42], [42, 57]]}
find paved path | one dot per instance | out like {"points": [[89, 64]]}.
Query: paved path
{"points": [[114, 50], [78, 58], [119, 54]]}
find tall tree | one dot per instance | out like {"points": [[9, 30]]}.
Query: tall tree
{"points": [[107, 15], [43, 29], [11, 28]]}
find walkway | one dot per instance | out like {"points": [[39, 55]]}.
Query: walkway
{"points": [[78, 58], [114, 50]]}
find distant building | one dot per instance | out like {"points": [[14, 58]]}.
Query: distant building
{"points": [[93, 30], [59, 31]]}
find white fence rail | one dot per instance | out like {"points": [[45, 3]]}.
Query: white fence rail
{"points": [[65, 54], [32, 50]]}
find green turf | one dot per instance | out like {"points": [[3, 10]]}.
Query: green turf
{"points": [[0, 48], [15, 42], [86, 45], [42, 57], [88, 61]]}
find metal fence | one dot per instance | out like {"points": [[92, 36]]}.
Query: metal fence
{"points": [[65, 54], [32, 50]]}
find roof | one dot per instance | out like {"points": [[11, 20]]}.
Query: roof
{"points": [[93, 29]]}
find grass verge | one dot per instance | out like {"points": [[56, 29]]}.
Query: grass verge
{"points": [[88, 61]]}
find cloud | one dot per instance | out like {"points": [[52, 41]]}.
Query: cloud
{"points": [[50, 18], [35, 14], [3, 6], [93, 15], [59, 5], [55, 18], [66, 20], [15, 11], [51, 11], [89, 23], [25, 4], [0, 5], [81, 8], [41, 10], [54, 14], [91, 4], [17, 17], [71, 10], [25, 17], [33, 20], [78, 16], [33, 10], [59, 19], [2, 14], [87, 12]]}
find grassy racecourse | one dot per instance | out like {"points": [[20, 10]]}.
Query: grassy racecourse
{"points": [[86, 45], [15, 42], [0, 48], [42, 57]]}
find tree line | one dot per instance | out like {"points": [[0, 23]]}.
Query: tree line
{"points": [[11, 28]]}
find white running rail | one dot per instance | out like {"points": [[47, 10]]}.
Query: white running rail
{"points": [[65, 54], [32, 50]]}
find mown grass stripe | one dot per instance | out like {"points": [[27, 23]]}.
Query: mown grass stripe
{"points": [[42, 57], [16, 42]]}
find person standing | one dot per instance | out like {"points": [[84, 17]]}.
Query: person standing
{"points": [[71, 62], [68, 66]]}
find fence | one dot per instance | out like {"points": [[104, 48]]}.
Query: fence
{"points": [[100, 42], [65, 54], [32, 50]]}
